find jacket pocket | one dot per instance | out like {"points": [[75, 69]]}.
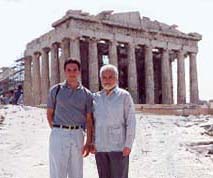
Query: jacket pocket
{"points": [[116, 135]]}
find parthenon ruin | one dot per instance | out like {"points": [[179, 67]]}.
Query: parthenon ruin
{"points": [[142, 49]]}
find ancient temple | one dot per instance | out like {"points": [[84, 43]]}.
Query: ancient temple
{"points": [[142, 49]]}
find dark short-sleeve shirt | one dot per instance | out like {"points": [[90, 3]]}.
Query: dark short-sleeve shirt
{"points": [[72, 105]]}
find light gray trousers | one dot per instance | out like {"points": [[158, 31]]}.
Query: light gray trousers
{"points": [[65, 153]]}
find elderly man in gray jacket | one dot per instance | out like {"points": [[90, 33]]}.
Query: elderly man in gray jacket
{"points": [[115, 122]]}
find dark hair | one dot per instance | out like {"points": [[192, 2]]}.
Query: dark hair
{"points": [[20, 87], [72, 61]]}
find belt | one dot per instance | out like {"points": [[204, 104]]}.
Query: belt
{"points": [[70, 127]]}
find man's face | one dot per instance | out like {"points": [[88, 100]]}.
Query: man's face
{"points": [[108, 79], [72, 72]]}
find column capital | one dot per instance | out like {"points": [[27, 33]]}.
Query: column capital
{"points": [[37, 54], [27, 58], [46, 49], [165, 49], [66, 38], [113, 42], [132, 44], [65, 43], [148, 46], [192, 54], [55, 45], [181, 54], [182, 51], [93, 39], [73, 38]]}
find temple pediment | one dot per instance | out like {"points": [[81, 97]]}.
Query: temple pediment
{"points": [[126, 20]]}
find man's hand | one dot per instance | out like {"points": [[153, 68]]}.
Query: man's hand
{"points": [[50, 115], [92, 149], [85, 150], [126, 151]]}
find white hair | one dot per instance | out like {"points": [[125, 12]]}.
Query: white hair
{"points": [[109, 67]]}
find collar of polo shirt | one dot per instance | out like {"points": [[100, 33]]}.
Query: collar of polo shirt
{"points": [[65, 84]]}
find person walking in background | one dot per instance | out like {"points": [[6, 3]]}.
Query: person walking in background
{"points": [[18, 95]]}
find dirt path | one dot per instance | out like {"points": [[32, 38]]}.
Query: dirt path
{"points": [[165, 146], [165, 151]]}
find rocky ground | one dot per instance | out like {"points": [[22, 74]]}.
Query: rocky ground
{"points": [[165, 146]]}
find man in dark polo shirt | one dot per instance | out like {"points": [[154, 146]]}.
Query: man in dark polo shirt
{"points": [[69, 109]]}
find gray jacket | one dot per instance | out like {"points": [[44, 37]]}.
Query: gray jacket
{"points": [[115, 121]]}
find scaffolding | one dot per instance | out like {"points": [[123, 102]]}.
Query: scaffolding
{"points": [[12, 77]]}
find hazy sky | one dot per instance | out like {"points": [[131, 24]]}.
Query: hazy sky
{"points": [[23, 20]]}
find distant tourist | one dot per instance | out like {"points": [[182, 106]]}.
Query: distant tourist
{"points": [[18, 96], [8, 97], [1, 99]]}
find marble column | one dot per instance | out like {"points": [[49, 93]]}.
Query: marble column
{"points": [[132, 73], [113, 56], [166, 78], [149, 75], [181, 82], [55, 77], [65, 54], [93, 66], [194, 95], [36, 79], [45, 80], [27, 81], [171, 77], [75, 49]]}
